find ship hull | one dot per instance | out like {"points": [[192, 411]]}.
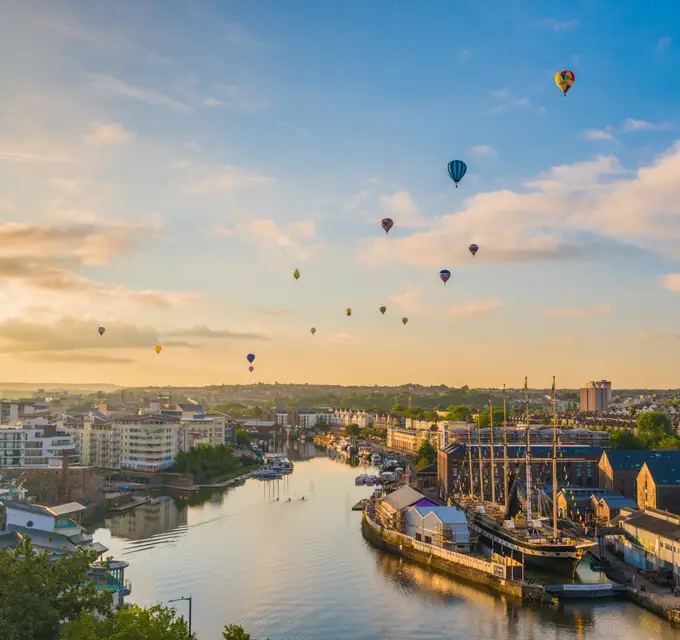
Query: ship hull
{"points": [[553, 558]]}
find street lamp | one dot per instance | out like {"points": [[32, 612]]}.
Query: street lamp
{"points": [[179, 600]]}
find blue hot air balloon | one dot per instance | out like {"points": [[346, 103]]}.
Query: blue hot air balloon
{"points": [[444, 274], [473, 249], [387, 224], [457, 169], [250, 357]]}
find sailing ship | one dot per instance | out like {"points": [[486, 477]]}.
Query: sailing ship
{"points": [[528, 536]]}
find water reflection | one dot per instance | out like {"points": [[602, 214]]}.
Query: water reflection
{"points": [[162, 515]]}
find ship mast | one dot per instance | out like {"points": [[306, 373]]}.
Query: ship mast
{"points": [[469, 448], [505, 450], [528, 455], [554, 460], [479, 449], [493, 475]]}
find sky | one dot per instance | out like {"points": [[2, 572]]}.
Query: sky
{"points": [[165, 167]]}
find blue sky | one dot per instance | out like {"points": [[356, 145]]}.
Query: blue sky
{"points": [[166, 166]]}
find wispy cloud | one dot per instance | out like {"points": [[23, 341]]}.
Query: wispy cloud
{"points": [[276, 312], [600, 134], [476, 308], [18, 156], [293, 238], [411, 299], [557, 25], [484, 150], [201, 331], [109, 84], [342, 338], [504, 100], [235, 97], [237, 35], [209, 179], [671, 282], [664, 43], [631, 125], [112, 133], [65, 184], [576, 312], [400, 205], [657, 336]]}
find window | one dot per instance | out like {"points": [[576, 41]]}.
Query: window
{"points": [[419, 537]]}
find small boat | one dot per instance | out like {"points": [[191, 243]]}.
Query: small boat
{"points": [[375, 459], [267, 474], [360, 479], [370, 480]]}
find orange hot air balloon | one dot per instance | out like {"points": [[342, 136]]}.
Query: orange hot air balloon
{"points": [[158, 348]]}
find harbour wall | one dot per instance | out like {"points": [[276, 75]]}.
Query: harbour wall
{"points": [[467, 567]]}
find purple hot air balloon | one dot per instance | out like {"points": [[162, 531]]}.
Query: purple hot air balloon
{"points": [[387, 224], [251, 368], [101, 331], [473, 248], [444, 274]]}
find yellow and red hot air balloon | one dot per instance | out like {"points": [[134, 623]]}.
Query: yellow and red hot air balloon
{"points": [[348, 311], [158, 348], [564, 79]]}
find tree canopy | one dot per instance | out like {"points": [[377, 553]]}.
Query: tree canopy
{"points": [[52, 591], [426, 455], [653, 427], [209, 464], [133, 623]]}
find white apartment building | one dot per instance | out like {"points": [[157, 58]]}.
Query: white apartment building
{"points": [[203, 430], [150, 443], [35, 447], [343, 417], [98, 443], [302, 419]]}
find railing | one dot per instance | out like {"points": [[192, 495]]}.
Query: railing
{"points": [[492, 568]]}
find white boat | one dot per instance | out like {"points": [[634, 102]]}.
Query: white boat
{"points": [[375, 459], [264, 473], [360, 479], [370, 480]]}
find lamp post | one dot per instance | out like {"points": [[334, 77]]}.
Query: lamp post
{"points": [[189, 598]]}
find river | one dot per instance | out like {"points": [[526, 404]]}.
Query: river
{"points": [[301, 570]]}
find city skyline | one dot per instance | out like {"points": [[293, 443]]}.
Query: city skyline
{"points": [[166, 169]]}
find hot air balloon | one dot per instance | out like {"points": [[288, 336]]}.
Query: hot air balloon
{"points": [[383, 309], [250, 357], [313, 330], [101, 331], [457, 169], [473, 248], [296, 274], [404, 320], [564, 79], [158, 348], [387, 224], [251, 368], [349, 311], [444, 275]]}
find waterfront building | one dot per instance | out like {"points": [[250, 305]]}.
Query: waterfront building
{"points": [[391, 509], [595, 396], [652, 540], [201, 429], [57, 530], [150, 443], [619, 469], [658, 485], [35, 447], [577, 466], [303, 419], [444, 527], [579, 504], [607, 507], [262, 428], [98, 441], [410, 440], [387, 420]]}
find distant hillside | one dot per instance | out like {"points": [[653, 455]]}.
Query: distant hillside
{"points": [[57, 386]]}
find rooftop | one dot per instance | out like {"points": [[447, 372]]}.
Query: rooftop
{"points": [[664, 472], [622, 459], [403, 497], [446, 515]]}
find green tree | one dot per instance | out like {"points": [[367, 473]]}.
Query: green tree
{"points": [[133, 623], [352, 430], [242, 437], [459, 413], [484, 421], [235, 632], [653, 427], [669, 442], [397, 408], [426, 455], [624, 439], [433, 427], [37, 593]]}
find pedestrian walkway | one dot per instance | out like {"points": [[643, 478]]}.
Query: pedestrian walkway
{"points": [[625, 573]]}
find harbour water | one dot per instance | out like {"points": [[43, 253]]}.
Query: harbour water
{"points": [[301, 570]]}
